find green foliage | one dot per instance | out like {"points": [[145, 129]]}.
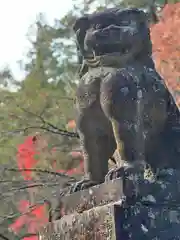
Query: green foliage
{"points": [[46, 93]]}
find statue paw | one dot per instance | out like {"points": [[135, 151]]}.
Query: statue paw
{"points": [[114, 173], [129, 176], [120, 172], [81, 185]]}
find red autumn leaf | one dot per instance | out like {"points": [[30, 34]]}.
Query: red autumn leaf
{"points": [[76, 154], [22, 220], [18, 224], [166, 46], [40, 211], [71, 124], [31, 238], [23, 206], [26, 157], [33, 219]]}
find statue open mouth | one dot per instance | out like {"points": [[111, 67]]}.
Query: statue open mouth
{"points": [[112, 31], [113, 39], [109, 49]]}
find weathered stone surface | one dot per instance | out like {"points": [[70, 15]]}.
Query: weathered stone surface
{"points": [[165, 189], [115, 222], [96, 223], [156, 213], [89, 198], [151, 222], [153, 215]]}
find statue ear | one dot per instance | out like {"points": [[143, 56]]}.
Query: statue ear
{"points": [[80, 28], [81, 24]]}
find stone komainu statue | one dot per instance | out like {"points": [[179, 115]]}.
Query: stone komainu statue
{"points": [[122, 102]]}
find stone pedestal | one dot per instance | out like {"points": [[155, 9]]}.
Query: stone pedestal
{"points": [[96, 223], [83, 200], [153, 215]]}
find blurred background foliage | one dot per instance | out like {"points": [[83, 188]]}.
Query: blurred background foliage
{"points": [[42, 104], [47, 91]]}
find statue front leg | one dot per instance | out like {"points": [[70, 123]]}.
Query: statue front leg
{"points": [[98, 146]]}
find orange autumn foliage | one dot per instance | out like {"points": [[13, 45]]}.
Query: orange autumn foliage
{"points": [[71, 124], [165, 37], [33, 220]]}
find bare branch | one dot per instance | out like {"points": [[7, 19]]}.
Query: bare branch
{"points": [[59, 131], [67, 98], [27, 235], [30, 209], [44, 109], [3, 237], [49, 126], [40, 171], [27, 181]]}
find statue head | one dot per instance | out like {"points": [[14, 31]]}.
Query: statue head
{"points": [[113, 31]]}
